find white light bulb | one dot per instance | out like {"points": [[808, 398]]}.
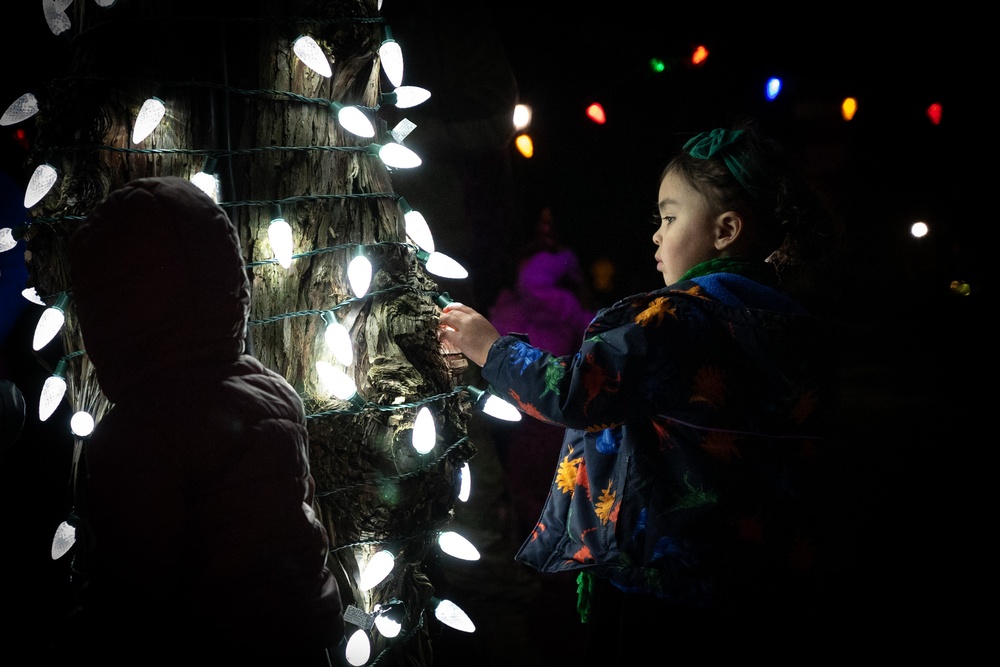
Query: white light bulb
{"points": [[49, 324], [338, 339], [522, 116], [81, 424], [359, 648], [377, 569], [55, 16], [279, 233], [355, 121], [398, 156], [20, 109], [424, 431], [418, 230], [63, 540], [387, 627], [359, 274], [41, 181], [452, 615], [31, 295], [52, 393], [455, 545], [336, 381], [148, 118], [442, 265], [310, 53], [501, 409], [391, 56], [7, 240], [465, 482], [410, 96], [208, 183]]}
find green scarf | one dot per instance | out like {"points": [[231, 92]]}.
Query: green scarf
{"points": [[760, 272]]}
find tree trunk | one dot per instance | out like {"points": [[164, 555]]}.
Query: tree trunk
{"points": [[235, 92]]}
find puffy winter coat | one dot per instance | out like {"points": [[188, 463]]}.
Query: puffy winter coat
{"points": [[199, 529], [695, 417]]}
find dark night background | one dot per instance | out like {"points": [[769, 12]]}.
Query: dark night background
{"points": [[911, 457]]}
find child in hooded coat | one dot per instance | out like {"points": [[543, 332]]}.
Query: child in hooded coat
{"points": [[198, 532]]}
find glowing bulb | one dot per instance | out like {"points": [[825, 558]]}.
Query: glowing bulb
{"points": [[55, 16], [396, 155], [919, 229], [310, 53], [416, 227], [81, 424], [848, 108], [41, 181], [339, 383], [392, 59], [52, 391], [63, 540], [465, 482], [50, 322], [442, 265], [501, 409], [524, 145], [960, 287], [279, 233], [207, 181], [424, 431], [148, 118], [595, 112], [773, 87], [338, 339], [493, 405], [20, 109], [522, 116], [455, 545], [934, 113], [452, 615], [9, 237], [359, 648], [699, 55], [377, 569], [359, 274], [31, 295], [387, 625], [354, 120], [405, 97]]}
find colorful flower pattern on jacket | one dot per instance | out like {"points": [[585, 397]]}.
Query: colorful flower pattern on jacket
{"points": [[679, 450]]}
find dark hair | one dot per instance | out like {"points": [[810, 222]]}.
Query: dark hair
{"points": [[792, 228]]}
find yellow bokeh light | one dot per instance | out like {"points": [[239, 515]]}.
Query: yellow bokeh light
{"points": [[960, 287], [525, 145], [848, 108]]}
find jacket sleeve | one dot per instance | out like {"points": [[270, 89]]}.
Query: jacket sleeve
{"points": [[604, 383]]}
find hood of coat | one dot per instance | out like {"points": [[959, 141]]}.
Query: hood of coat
{"points": [[158, 282]]}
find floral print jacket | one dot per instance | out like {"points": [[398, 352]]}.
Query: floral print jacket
{"points": [[695, 418]]}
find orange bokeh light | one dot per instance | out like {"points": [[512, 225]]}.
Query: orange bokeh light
{"points": [[595, 112]]}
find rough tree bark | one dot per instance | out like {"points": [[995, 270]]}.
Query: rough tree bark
{"points": [[235, 91]]}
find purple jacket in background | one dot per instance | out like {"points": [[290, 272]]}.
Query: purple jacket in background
{"points": [[546, 305]]}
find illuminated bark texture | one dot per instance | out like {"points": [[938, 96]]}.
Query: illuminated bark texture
{"points": [[235, 92]]}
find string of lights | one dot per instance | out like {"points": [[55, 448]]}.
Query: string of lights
{"points": [[334, 376]]}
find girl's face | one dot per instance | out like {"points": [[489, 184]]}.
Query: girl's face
{"points": [[687, 232]]}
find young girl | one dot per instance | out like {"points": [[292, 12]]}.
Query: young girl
{"points": [[695, 414]]}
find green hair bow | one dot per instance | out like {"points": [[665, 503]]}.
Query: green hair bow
{"points": [[718, 143]]}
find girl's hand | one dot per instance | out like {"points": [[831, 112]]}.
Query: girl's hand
{"points": [[467, 330]]}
